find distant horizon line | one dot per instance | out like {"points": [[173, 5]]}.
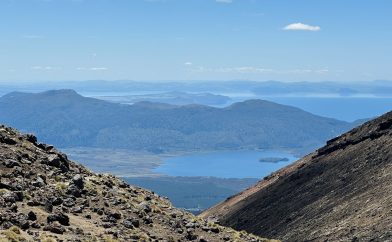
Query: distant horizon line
{"points": [[18, 82]]}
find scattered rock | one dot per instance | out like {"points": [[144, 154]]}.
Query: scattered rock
{"points": [[115, 215], [31, 216], [33, 203], [41, 190], [78, 181], [145, 207], [48, 206], [57, 201], [69, 202], [74, 191], [39, 182], [55, 228], [61, 218], [59, 161], [9, 197], [191, 236], [77, 209], [7, 140], [11, 163]]}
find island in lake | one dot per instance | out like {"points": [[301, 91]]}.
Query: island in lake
{"points": [[273, 159]]}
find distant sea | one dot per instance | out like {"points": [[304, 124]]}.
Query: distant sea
{"points": [[343, 108]]}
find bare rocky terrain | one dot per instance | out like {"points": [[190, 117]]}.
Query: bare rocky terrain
{"points": [[341, 192], [46, 197]]}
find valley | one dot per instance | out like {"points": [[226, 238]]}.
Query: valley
{"points": [[195, 121], [194, 194], [209, 177], [46, 197], [183, 147]]}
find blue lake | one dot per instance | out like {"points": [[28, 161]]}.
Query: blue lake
{"points": [[225, 164]]}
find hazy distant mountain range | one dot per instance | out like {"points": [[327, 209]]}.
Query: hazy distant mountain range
{"points": [[261, 88], [174, 98], [67, 119]]}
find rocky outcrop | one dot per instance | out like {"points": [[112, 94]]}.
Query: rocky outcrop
{"points": [[46, 197], [341, 192]]}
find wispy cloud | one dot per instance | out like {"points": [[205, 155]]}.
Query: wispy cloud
{"points": [[45, 68], [258, 70], [242, 69], [188, 63], [306, 71], [92, 68], [301, 26], [224, 1]]}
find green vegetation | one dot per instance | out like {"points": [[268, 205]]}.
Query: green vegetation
{"points": [[120, 162], [61, 186], [12, 234], [67, 119]]}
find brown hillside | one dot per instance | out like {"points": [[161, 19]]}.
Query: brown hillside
{"points": [[342, 192], [46, 197]]}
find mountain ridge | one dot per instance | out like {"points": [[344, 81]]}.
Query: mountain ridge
{"points": [[67, 119]]}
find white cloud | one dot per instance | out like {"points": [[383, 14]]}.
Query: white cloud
{"points": [[92, 68], [301, 26], [45, 68], [259, 70], [242, 69], [188, 63], [224, 1]]}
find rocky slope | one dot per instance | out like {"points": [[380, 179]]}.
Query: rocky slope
{"points": [[341, 192], [46, 197]]}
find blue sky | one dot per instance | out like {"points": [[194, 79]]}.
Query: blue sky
{"points": [[291, 40]]}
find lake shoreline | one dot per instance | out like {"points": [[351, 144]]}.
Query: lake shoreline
{"points": [[127, 163], [225, 164]]}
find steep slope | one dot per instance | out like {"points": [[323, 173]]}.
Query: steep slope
{"points": [[44, 195], [67, 119], [341, 192]]}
